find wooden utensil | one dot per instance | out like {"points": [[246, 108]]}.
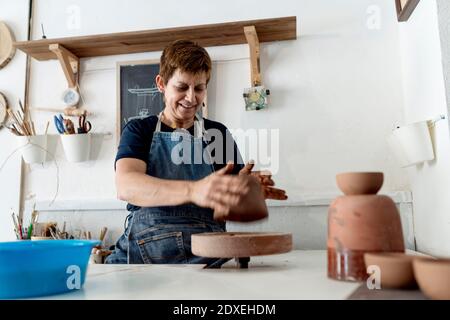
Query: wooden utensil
{"points": [[69, 111], [70, 127]]}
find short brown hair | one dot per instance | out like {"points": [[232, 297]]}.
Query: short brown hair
{"points": [[187, 56]]}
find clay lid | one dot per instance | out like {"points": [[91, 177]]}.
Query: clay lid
{"points": [[240, 244], [251, 208], [353, 183]]}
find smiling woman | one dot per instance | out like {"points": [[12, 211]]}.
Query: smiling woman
{"points": [[183, 79], [182, 95], [169, 200]]}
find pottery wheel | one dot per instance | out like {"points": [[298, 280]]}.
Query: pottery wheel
{"points": [[240, 244]]}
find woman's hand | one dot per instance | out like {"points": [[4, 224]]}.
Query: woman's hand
{"points": [[233, 197], [265, 178]]}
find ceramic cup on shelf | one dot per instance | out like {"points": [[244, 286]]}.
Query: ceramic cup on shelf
{"points": [[360, 222]]}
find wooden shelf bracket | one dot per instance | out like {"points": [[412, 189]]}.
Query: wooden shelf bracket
{"points": [[405, 8], [253, 42], [70, 63]]}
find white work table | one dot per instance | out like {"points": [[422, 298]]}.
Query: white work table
{"points": [[295, 275]]}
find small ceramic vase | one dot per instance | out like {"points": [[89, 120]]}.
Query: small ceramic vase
{"points": [[360, 222]]}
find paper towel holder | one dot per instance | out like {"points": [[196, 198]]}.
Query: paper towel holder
{"points": [[438, 118], [431, 122], [412, 143]]}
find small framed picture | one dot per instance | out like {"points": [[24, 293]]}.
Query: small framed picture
{"points": [[405, 8]]}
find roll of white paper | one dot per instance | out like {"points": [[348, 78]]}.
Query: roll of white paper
{"points": [[412, 143]]}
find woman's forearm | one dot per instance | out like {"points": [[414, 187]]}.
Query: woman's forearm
{"points": [[146, 191]]}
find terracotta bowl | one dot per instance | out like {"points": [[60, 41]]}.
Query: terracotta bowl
{"points": [[396, 268], [433, 277], [353, 183]]}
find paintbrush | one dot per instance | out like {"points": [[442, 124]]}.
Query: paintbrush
{"points": [[17, 122], [16, 226], [29, 123], [103, 234], [14, 131], [13, 126], [23, 111], [32, 128]]}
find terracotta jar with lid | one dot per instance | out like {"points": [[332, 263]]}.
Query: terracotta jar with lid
{"points": [[359, 222]]}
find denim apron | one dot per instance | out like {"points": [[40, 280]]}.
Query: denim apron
{"points": [[163, 234]]}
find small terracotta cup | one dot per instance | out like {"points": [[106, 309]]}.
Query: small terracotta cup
{"points": [[396, 269], [433, 277], [353, 183]]}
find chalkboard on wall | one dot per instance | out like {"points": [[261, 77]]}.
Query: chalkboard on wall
{"points": [[138, 95]]}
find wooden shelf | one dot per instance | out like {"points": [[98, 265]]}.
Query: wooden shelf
{"points": [[219, 34]]}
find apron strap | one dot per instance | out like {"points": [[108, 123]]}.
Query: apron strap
{"points": [[199, 128]]}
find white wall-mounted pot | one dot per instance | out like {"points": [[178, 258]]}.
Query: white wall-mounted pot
{"points": [[412, 143], [33, 148], [76, 146]]}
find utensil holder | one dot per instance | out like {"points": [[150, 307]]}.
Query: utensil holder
{"points": [[76, 146], [34, 148], [412, 143]]}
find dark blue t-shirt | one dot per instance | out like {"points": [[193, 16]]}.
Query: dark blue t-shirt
{"points": [[137, 137]]}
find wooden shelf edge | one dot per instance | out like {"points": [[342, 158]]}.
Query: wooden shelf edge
{"points": [[208, 35]]}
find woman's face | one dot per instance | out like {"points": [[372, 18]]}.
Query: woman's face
{"points": [[183, 93]]}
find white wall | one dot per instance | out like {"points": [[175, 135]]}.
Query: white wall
{"points": [[12, 85], [338, 82], [425, 98], [335, 90], [443, 7]]}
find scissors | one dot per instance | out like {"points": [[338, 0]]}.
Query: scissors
{"points": [[59, 124], [84, 126]]}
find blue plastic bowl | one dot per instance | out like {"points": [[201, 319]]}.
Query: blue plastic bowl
{"points": [[45, 267]]}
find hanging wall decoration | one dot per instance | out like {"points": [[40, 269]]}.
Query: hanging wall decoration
{"points": [[7, 49], [256, 96]]}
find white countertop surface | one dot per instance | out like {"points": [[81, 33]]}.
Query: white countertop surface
{"points": [[294, 275]]}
